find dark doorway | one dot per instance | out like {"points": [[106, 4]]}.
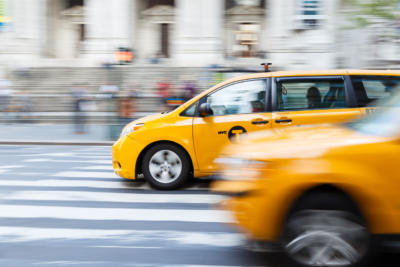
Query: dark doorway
{"points": [[72, 3], [165, 39], [152, 3], [82, 32]]}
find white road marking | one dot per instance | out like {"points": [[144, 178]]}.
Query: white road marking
{"points": [[118, 183], [54, 154], [127, 247], [30, 173], [69, 155], [114, 197], [68, 160], [29, 234], [69, 263], [124, 214], [68, 183], [10, 167], [96, 167], [77, 174]]}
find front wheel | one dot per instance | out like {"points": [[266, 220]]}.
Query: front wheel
{"points": [[166, 166], [314, 236]]}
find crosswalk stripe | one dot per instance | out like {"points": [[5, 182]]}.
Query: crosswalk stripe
{"points": [[67, 155], [124, 214], [119, 183], [68, 160], [96, 167], [77, 174], [6, 167], [25, 234], [68, 183], [113, 197]]}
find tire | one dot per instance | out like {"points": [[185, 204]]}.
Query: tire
{"points": [[325, 229], [166, 167]]}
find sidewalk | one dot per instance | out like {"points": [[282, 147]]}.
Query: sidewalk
{"points": [[57, 134]]}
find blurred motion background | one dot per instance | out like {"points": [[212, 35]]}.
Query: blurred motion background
{"points": [[87, 67]]}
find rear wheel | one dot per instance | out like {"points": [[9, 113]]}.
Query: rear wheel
{"points": [[325, 230], [166, 166]]}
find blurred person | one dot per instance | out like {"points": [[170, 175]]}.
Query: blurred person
{"points": [[189, 90], [80, 96], [23, 106], [156, 58], [5, 95], [163, 92], [126, 108]]}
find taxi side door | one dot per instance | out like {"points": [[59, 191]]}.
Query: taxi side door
{"points": [[312, 100], [238, 108]]}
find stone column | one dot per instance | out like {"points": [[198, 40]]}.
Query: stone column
{"points": [[199, 32], [26, 26], [133, 24], [277, 22], [107, 28]]}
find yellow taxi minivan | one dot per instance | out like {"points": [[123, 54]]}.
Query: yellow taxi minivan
{"points": [[168, 148], [325, 194]]}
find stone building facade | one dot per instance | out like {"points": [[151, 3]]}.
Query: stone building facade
{"points": [[293, 34]]}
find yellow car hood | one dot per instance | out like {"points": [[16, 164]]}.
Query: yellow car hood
{"points": [[151, 117], [297, 142]]}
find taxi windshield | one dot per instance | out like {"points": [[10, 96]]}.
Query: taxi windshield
{"points": [[385, 121]]}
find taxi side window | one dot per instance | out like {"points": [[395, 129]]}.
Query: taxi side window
{"points": [[310, 94], [370, 88], [239, 98]]}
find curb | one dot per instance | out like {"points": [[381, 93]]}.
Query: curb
{"points": [[57, 143]]}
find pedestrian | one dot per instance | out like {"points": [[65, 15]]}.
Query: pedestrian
{"points": [[80, 97], [189, 90], [5, 96], [125, 109], [23, 106], [163, 92]]}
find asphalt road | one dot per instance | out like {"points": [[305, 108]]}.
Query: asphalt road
{"points": [[64, 206]]}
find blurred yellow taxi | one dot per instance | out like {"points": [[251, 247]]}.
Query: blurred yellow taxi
{"points": [[324, 193], [170, 147]]}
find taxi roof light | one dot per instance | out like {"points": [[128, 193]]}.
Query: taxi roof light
{"points": [[267, 66]]}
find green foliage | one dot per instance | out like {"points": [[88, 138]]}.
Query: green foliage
{"points": [[364, 12]]}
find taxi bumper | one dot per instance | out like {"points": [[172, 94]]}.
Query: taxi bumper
{"points": [[125, 153]]}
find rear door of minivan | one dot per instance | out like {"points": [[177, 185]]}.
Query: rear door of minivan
{"points": [[312, 100]]}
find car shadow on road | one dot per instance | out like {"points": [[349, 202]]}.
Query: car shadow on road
{"points": [[192, 183]]}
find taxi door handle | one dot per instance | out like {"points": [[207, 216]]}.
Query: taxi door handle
{"points": [[260, 122], [283, 121]]}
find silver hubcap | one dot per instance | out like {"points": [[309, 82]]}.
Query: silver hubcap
{"points": [[325, 238], [165, 166]]}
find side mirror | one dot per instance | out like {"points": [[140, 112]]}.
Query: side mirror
{"points": [[205, 110]]}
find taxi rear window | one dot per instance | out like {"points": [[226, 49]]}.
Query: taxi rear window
{"points": [[368, 89]]}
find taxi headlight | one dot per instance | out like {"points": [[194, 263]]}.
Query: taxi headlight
{"points": [[239, 168], [131, 128]]}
